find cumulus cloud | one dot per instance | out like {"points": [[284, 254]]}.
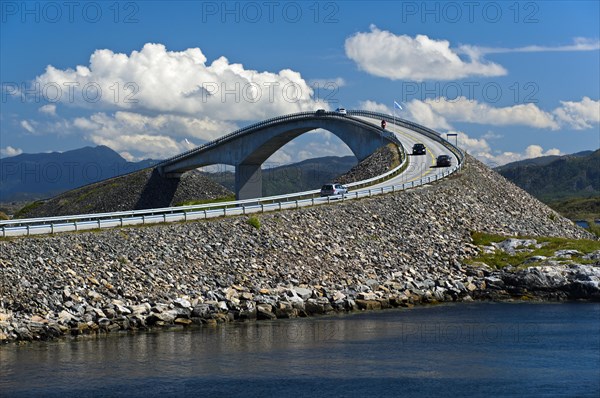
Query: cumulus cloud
{"points": [[317, 143], [439, 113], [384, 54], [158, 136], [423, 113], [472, 111], [158, 102], [183, 82], [579, 115], [48, 109], [10, 151], [481, 149], [374, 106]]}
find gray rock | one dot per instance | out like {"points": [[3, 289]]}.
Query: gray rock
{"points": [[303, 293], [567, 253]]}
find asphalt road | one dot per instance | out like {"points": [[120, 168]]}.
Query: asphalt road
{"points": [[419, 166]]}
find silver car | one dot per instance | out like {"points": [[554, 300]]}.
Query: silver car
{"points": [[333, 189]]}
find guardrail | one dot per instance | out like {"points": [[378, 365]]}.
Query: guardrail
{"points": [[272, 122], [184, 213], [412, 126]]}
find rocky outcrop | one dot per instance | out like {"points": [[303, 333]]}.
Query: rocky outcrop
{"points": [[566, 275], [381, 161], [144, 189], [394, 250]]}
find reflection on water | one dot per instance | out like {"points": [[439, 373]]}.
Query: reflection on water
{"points": [[498, 349]]}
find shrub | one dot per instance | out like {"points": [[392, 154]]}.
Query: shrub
{"points": [[254, 221]]}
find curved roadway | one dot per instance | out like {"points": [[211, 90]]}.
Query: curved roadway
{"points": [[418, 166]]}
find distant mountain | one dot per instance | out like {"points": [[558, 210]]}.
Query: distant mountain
{"points": [[42, 175], [552, 178], [29, 177], [541, 161], [303, 176]]}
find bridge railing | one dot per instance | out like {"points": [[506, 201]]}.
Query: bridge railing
{"points": [[188, 213], [412, 126], [272, 122], [170, 210], [183, 213]]}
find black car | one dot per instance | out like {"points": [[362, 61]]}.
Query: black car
{"points": [[443, 161], [320, 112], [418, 149]]}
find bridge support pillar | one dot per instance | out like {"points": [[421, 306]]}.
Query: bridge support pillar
{"points": [[248, 181]]}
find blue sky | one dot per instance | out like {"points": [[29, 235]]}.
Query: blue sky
{"points": [[152, 78]]}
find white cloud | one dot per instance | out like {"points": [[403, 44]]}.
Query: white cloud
{"points": [[579, 44], [373, 106], [328, 84], [395, 57], [491, 135], [129, 157], [315, 144], [439, 113], [472, 111], [153, 136], [10, 151], [28, 125], [48, 109], [579, 115], [385, 54], [481, 149], [321, 149], [417, 111], [423, 113], [182, 82]]}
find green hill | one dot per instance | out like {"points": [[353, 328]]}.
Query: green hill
{"points": [[569, 184], [566, 177], [303, 176]]}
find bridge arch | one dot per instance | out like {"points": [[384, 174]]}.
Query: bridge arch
{"points": [[247, 149]]}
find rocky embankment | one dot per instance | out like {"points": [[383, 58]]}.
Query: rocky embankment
{"points": [[565, 275], [395, 250], [144, 189], [381, 161]]}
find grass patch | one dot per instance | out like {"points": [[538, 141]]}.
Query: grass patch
{"points": [[500, 259], [3, 216], [593, 227], [28, 208], [254, 221], [87, 192], [578, 208], [228, 198]]}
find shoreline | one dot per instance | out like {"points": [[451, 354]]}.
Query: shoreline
{"points": [[399, 249], [134, 323], [105, 334]]}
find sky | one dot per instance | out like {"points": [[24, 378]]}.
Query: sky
{"points": [[151, 79]]}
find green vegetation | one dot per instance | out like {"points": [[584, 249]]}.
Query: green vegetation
{"points": [[228, 198], [97, 190], [3, 216], [568, 184], [578, 208], [27, 208], [563, 178], [593, 227], [500, 259], [254, 221]]}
